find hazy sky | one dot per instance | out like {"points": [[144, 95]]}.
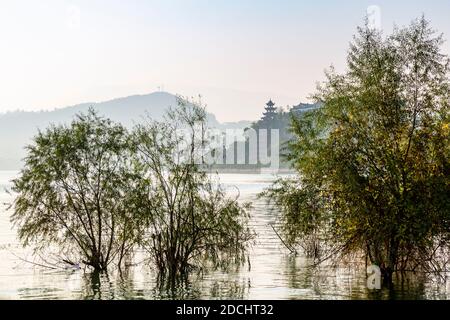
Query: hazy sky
{"points": [[237, 54]]}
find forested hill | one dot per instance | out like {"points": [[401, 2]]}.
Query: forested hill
{"points": [[17, 128]]}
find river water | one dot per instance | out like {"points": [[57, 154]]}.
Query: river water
{"points": [[272, 273]]}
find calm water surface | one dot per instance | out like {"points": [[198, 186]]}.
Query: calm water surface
{"points": [[271, 274]]}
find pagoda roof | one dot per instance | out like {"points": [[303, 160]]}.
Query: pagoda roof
{"points": [[270, 103]]}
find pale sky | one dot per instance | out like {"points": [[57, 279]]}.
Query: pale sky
{"points": [[237, 54]]}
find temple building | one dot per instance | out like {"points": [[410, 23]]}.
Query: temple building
{"points": [[270, 112]]}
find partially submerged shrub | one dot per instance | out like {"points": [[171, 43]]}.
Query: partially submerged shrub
{"points": [[97, 192], [191, 222], [76, 191]]}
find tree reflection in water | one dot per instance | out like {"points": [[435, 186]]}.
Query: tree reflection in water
{"points": [[350, 282], [100, 286]]}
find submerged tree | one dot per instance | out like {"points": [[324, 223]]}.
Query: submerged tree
{"points": [[191, 222], [96, 192], [373, 162], [78, 190]]}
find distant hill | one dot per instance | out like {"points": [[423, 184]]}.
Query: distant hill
{"points": [[17, 128]]}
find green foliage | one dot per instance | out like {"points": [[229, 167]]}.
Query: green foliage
{"points": [[96, 192], [76, 191], [191, 221], [373, 162]]}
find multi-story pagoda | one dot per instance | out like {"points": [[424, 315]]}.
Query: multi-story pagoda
{"points": [[270, 113]]}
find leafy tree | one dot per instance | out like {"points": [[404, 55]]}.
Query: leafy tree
{"points": [[78, 191], [190, 220], [373, 162], [96, 192]]}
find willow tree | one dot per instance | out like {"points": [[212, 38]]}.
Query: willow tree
{"points": [[77, 192], [191, 222], [373, 162]]}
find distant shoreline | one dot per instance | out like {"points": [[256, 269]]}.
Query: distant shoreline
{"points": [[249, 171]]}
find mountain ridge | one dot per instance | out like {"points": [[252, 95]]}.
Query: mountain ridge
{"points": [[17, 128]]}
